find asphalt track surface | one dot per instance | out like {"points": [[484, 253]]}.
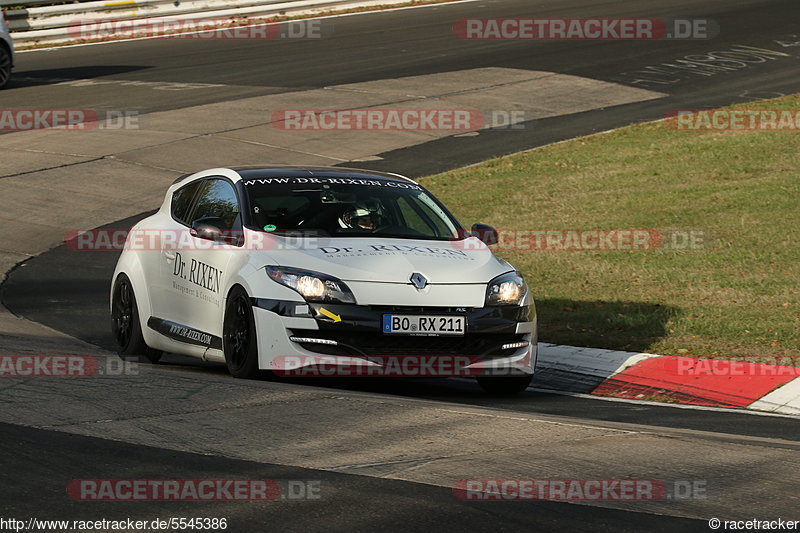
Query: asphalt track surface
{"points": [[346, 502], [68, 291], [421, 41]]}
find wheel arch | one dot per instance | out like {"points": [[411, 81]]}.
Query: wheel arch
{"points": [[130, 265], [240, 282]]}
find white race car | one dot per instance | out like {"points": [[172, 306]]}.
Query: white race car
{"points": [[285, 269]]}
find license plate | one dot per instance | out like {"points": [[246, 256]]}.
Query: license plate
{"points": [[424, 325]]}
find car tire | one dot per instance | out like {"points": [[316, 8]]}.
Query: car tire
{"points": [[5, 66], [505, 385], [125, 325], [239, 335]]}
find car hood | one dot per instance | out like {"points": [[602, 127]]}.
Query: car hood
{"points": [[392, 260]]}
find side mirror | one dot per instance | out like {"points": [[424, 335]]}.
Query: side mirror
{"points": [[209, 228], [485, 233]]}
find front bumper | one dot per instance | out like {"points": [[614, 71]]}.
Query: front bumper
{"points": [[298, 334]]}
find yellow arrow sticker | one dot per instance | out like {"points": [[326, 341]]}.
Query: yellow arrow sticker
{"points": [[332, 316]]}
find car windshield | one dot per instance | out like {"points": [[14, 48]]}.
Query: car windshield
{"points": [[352, 207]]}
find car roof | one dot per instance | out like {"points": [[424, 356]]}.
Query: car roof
{"points": [[249, 173], [287, 171]]}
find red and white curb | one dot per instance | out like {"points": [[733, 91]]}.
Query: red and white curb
{"points": [[734, 384]]}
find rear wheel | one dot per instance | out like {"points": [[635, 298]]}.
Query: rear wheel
{"points": [[5, 66], [505, 385], [239, 336], [125, 325]]}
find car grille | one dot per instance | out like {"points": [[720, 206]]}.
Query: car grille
{"points": [[378, 344]]}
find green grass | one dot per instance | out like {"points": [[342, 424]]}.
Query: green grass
{"points": [[737, 297]]}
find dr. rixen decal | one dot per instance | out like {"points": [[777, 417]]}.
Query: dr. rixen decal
{"points": [[201, 274]]}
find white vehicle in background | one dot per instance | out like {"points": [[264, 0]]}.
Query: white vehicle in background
{"points": [[269, 265], [6, 52]]}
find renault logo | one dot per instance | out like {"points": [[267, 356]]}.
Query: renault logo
{"points": [[419, 280]]}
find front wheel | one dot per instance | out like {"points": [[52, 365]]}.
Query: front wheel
{"points": [[125, 325], [505, 385], [239, 336], [5, 66]]}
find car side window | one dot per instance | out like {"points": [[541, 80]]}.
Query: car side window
{"points": [[182, 201], [413, 219], [217, 198], [421, 217]]}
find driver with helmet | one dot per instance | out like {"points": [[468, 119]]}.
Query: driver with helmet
{"points": [[367, 216]]}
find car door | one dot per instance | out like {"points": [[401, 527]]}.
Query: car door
{"points": [[195, 273], [161, 262]]}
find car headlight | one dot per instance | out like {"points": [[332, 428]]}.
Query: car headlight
{"points": [[313, 286], [507, 289]]}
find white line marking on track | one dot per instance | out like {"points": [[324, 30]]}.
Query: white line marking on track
{"points": [[92, 82]]}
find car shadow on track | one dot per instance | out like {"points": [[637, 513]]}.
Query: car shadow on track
{"points": [[614, 325]]}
